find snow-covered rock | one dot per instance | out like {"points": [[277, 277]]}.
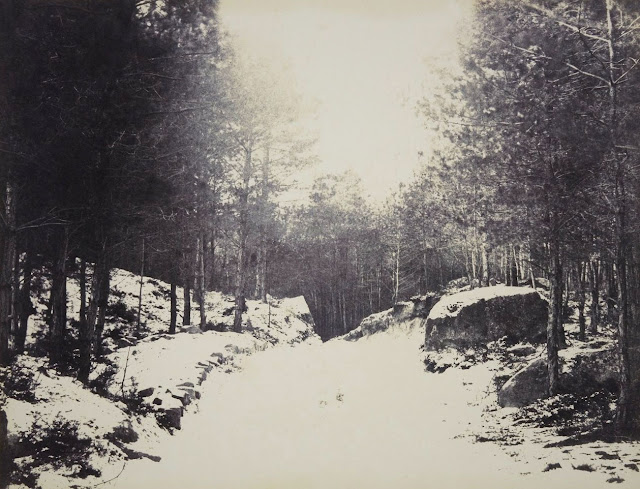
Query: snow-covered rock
{"points": [[487, 314], [408, 315], [582, 372], [172, 365]]}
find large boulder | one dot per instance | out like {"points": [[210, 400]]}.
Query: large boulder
{"points": [[487, 314], [298, 307], [582, 372], [526, 386], [408, 315]]}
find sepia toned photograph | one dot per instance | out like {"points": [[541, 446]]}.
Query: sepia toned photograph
{"points": [[319, 244]]}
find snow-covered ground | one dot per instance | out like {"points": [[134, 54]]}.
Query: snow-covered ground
{"points": [[281, 410], [353, 414]]}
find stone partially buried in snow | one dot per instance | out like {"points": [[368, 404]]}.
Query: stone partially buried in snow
{"points": [[487, 314], [406, 315], [526, 386], [582, 372]]}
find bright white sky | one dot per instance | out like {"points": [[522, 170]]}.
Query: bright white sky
{"points": [[365, 63]]}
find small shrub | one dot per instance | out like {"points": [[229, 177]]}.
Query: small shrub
{"points": [[100, 385], [219, 327], [120, 310], [18, 383], [585, 467], [120, 294], [70, 356], [123, 433], [22, 475], [41, 345], [58, 445], [161, 294]]}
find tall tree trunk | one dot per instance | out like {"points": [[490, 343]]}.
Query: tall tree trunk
{"points": [[626, 410], [379, 288], [554, 322], [581, 282], [612, 292], [345, 325], [186, 289], [555, 296], [467, 263], [566, 290], [8, 14], [396, 274], [88, 333], [102, 308], [200, 292], [59, 298], [425, 270], [83, 292], [186, 298], [243, 235], [214, 282], [595, 276], [142, 259], [485, 263], [15, 293], [513, 260], [505, 266], [5, 450], [261, 265], [7, 253], [474, 264], [26, 307], [529, 258], [174, 309], [522, 265], [261, 271]]}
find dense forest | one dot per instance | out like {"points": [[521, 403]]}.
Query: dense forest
{"points": [[133, 136]]}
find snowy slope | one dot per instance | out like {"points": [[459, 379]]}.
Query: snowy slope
{"points": [[157, 375]]}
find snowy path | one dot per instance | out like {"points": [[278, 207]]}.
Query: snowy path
{"points": [[339, 415]]}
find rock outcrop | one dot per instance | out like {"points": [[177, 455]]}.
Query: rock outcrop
{"points": [[408, 315], [487, 314], [582, 373]]}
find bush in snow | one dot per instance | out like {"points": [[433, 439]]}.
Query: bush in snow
{"points": [[123, 434], [58, 445], [569, 414], [101, 383], [18, 383], [120, 310]]}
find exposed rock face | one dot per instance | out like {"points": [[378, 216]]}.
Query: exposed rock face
{"points": [[526, 386], [582, 373], [409, 314], [487, 314]]}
